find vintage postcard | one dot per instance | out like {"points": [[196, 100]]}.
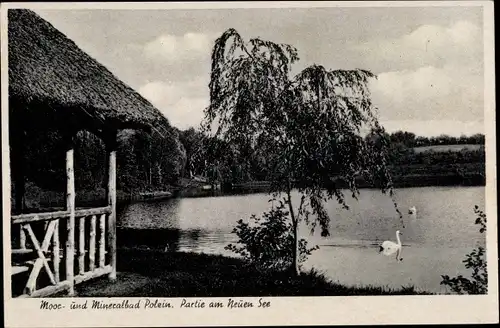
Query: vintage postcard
{"points": [[248, 163]]}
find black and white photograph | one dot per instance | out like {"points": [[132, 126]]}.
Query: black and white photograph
{"points": [[233, 158]]}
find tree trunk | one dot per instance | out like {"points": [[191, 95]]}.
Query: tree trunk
{"points": [[150, 175], [295, 261], [296, 248], [160, 173]]}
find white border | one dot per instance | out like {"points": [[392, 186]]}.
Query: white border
{"points": [[285, 310]]}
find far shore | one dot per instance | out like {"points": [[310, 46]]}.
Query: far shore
{"points": [[42, 200], [406, 181]]}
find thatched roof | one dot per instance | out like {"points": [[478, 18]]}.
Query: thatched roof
{"points": [[52, 79]]}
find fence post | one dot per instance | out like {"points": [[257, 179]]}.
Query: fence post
{"points": [[55, 251], [92, 243], [111, 145], [81, 246], [70, 207]]}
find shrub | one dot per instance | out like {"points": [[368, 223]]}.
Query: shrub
{"points": [[267, 242], [476, 260]]}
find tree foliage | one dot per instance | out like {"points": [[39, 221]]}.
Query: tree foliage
{"points": [[307, 127], [193, 142], [402, 159], [477, 262], [267, 242], [146, 161]]}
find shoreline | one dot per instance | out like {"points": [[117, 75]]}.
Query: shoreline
{"points": [[91, 198], [182, 274], [406, 181]]}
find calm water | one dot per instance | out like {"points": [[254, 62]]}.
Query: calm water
{"points": [[435, 241]]}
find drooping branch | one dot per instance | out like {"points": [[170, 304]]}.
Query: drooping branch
{"points": [[308, 127], [244, 81]]}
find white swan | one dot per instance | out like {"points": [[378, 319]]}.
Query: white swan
{"points": [[412, 210], [388, 248]]}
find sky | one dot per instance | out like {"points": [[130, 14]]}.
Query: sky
{"points": [[428, 61]]}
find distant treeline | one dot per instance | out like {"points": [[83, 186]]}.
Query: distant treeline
{"points": [[234, 168], [411, 140], [154, 162]]}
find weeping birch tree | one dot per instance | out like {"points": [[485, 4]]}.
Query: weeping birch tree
{"points": [[310, 126]]}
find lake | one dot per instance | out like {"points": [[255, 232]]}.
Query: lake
{"points": [[435, 241]]}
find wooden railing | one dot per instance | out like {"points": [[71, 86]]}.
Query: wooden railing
{"points": [[40, 237], [43, 251]]}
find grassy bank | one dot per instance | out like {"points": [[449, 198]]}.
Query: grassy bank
{"points": [[145, 273]]}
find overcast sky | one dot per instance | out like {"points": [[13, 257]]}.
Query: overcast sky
{"points": [[429, 61]]}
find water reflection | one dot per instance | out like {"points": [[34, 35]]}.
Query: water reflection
{"points": [[194, 235], [173, 225], [151, 215], [434, 242], [445, 218], [156, 239], [175, 240]]}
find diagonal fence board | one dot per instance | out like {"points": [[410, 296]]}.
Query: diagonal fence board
{"points": [[45, 253], [41, 260]]}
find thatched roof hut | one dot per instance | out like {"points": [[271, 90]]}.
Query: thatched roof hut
{"points": [[53, 83]]}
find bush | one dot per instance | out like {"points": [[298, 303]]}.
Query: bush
{"points": [[476, 260], [267, 242]]}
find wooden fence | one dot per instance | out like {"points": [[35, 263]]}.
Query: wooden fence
{"points": [[84, 253], [42, 234]]}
